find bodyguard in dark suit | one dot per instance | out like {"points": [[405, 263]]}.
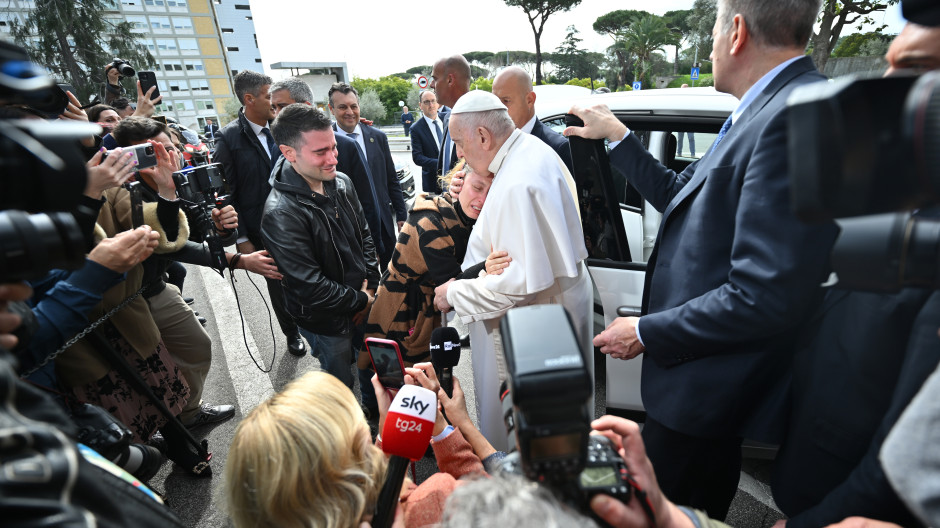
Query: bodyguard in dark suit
{"points": [[450, 79], [426, 135], [867, 355], [513, 86], [734, 273], [344, 103]]}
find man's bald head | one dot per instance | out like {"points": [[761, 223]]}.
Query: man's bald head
{"points": [[915, 48], [513, 86], [450, 79]]}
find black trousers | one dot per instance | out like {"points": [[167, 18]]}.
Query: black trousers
{"points": [[699, 472]]}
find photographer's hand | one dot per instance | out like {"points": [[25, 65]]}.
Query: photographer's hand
{"points": [[11, 291], [225, 220], [423, 374], [259, 262], [125, 250], [114, 76], [627, 441], [168, 162], [384, 401], [74, 112], [112, 172], [146, 107]]}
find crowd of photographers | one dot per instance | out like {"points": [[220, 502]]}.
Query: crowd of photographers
{"points": [[109, 326]]}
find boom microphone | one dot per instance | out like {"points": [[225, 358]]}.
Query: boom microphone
{"points": [[405, 436], [445, 354]]}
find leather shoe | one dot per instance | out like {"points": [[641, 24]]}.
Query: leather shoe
{"points": [[209, 414], [296, 345], [189, 300], [202, 321]]}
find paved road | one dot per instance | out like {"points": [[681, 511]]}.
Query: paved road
{"points": [[245, 345]]}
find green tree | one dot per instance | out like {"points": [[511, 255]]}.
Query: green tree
{"points": [[643, 38], [701, 21], [482, 84], [413, 100], [572, 62], [419, 70], [390, 90], [371, 107], [871, 44], [586, 82], [478, 56], [835, 15], [538, 11], [76, 40], [678, 24], [613, 24]]}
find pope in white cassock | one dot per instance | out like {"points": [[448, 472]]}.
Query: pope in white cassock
{"points": [[531, 213]]}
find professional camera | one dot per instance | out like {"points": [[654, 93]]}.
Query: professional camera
{"points": [[868, 146], [123, 67], [204, 187], [42, 171], [550, 390]]}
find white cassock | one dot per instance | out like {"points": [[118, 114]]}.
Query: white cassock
{"points": [[530, 212]]}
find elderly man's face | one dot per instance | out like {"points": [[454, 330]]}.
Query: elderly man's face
{"points": [[280, 100], [469, 145]]}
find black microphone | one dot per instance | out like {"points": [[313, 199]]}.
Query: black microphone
{"points": [[445, 354]]}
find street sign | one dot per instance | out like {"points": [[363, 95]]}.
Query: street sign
{"points": [[637, 85], [422, 82], [694, 74]]}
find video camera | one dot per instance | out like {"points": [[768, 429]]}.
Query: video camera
{"points": [[549, 419], [204, 187], [869, 146], [42, 171]]}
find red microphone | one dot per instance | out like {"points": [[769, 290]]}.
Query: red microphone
{"points": [[405, 437]]}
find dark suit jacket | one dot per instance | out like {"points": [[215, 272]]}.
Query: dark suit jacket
{"points": [[384, 180], [733, 274], [350, 163], [247, 168], [867, 356], [441, 169], [558, 142], [424, 152]]}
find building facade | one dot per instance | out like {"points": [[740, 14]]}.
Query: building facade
{"points": [[197, 45]]}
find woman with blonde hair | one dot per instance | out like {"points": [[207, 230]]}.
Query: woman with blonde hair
{"points": [[305, 458]]}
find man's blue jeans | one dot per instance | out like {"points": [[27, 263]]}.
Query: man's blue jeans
{"points": [[334, 353]]}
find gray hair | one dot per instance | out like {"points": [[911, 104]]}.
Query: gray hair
{"points": [[249, 82], [508, 500], [299, 91], [783, 23], [497, 122]]}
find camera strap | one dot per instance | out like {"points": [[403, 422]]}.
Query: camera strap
{"points": [[85, 332]]}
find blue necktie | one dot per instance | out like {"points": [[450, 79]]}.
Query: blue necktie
{"points": [[273, 152], [440, 134], [447, 150], [721, 134]]}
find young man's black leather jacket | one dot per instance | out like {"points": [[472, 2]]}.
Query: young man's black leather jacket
{"points": [[300, 230]]}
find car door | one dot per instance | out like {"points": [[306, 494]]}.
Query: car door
{"points": [[620, 229]]}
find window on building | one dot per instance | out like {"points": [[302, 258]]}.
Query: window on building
{"points": [[183, 23], [161, 24], [258, 61], [228, 30], [153, 3], [199, 85], [138, 22], [176, 3], [177, 86], [194, 65], [170, 66], [167, 46], [187, 45], [245, 7], [205, 104], [185, 105], [232, 48]]}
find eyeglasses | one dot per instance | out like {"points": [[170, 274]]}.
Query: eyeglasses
{"points": [[428, 102]]}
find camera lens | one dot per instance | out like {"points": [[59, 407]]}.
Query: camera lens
{"points": [[123, 68], [32, 245], [149, 150]]}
